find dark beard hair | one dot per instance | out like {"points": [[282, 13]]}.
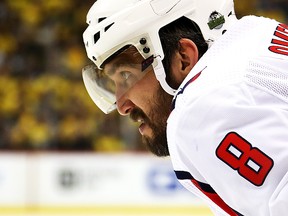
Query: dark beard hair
{"points": [[157, 121]]}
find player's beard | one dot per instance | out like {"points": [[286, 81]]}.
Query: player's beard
{"points": [[156, 119]]}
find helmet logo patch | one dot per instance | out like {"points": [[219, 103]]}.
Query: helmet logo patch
{"points": [[216, 20]]}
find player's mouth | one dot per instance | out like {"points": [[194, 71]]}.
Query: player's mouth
{"points": [[142, 126], [137, 115]]}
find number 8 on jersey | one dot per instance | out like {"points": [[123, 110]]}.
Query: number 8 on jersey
{"points": [[251, 163]]}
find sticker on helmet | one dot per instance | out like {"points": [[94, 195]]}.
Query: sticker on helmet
{"points": [[216, 20]]}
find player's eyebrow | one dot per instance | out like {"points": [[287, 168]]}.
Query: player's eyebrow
{"points": [[117, 65]]}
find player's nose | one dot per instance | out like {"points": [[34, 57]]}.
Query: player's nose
{"points": [[124, 106], [123, 103]]}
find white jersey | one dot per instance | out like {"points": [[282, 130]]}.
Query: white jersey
{"points": [[228, 130]]}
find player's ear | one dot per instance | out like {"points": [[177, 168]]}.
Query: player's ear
{"points": [[189, 54], [184, 59]]}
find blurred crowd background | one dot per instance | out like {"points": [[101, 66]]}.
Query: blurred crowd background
{"points": [[43, 102]]}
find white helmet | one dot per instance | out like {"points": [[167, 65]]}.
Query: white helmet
{"points": [[114, 24]]}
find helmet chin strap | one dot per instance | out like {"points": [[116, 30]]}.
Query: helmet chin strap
{"points": [[161, 77]]}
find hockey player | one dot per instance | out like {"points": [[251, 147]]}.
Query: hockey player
{"points": [[207, 89]]}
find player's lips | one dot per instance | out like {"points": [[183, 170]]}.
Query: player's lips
{"points": [[138, 116], [142, 126]]}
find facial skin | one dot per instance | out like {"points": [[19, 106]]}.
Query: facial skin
{"points": [[147, 103], [152, 116], [140, 96]]}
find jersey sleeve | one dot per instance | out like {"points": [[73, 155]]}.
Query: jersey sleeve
{"points": [[237, 139], [229, 128]]}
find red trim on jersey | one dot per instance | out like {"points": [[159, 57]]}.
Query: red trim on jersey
{"points": [[182, 89], [207, 190], [216, 199]]}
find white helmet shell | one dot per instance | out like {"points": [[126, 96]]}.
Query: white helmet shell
{"points": [[115, 23]]}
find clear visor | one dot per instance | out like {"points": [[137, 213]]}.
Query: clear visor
{"points": [[118, 75]]}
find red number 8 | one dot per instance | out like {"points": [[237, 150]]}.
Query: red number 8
{"points": [[251, 163]]}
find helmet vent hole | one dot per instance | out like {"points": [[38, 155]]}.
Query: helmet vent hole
{"points": [[109, 26], [101, 19], [96, 37], [143, 41], [146, 50]]}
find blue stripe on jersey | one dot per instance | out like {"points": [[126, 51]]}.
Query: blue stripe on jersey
{"points": [[208, 191], [182, 175]]}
